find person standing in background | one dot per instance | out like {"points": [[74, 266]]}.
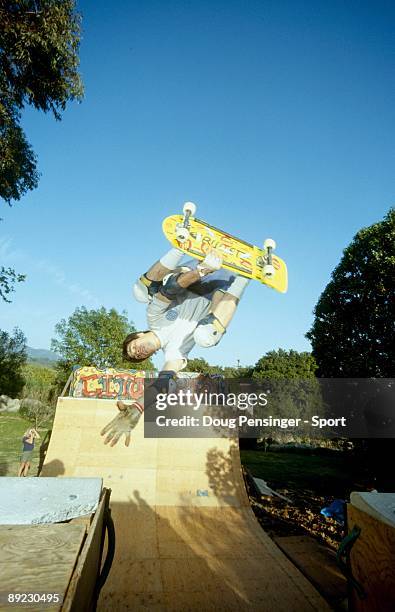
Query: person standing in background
{"points": [[28, 446]]}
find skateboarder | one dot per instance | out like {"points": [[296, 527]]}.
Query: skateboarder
{"points": [[186, 305]]}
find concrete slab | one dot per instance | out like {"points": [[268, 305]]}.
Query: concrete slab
{"points": [[31, 501]]}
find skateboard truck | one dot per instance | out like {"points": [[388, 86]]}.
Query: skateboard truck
{"points": [[268, 269], [182, 229]]}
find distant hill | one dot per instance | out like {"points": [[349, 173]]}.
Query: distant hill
{"points": [[41, 356]]}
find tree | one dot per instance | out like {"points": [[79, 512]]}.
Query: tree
{"points": [[294, 389], [92, 338], [285, 364], [13, 356], [353, 332], [38, 382], [18, 163], [199, 364], [36, 412], [8, 278], [39, 44]]}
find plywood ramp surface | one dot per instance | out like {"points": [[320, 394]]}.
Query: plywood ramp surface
{"points": [[186, 538], [372, 561]]}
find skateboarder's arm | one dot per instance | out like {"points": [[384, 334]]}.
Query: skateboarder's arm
{"points": [[185, 279], [173, 284], [175, 365], [171, 260], [166, 264]]}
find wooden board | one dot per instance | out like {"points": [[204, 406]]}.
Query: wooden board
{"points": [[38, 559], [186, 537], [372, 560], [379, 505], [81, 589], [318, 564]]}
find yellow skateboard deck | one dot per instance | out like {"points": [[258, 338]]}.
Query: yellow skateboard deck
{"points": [[238, 256]]}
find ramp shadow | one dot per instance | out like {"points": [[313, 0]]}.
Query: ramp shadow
{"points": [[53, 468]]}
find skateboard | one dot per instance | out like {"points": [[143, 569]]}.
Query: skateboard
{"points": [[197, 238]]}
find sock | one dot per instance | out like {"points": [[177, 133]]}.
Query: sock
{"points": [[238, 286], [171, 259]]}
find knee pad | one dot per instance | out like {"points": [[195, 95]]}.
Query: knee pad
{"points": [[209, 331], [144, 289]]}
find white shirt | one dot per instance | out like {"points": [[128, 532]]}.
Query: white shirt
{"points": [[174, 323]]}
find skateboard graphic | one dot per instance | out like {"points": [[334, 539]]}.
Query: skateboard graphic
{"points": [[197, 238]]}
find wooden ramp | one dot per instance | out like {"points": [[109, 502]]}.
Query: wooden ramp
{"points": [[318, 563], [372, 557], [186, 538]]}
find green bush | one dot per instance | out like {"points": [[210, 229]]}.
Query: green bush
{"points": [[39, 382]]}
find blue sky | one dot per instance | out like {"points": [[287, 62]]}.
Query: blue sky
{"points": [[276, 118]]}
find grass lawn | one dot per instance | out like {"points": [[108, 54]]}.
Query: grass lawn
{"points": [[12, 428], [325, 474]]}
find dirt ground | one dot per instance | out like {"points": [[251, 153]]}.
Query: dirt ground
{"points": [[311, 480]]}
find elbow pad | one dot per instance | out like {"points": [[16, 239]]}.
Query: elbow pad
{"points": [[170, 287], [144, 289]]}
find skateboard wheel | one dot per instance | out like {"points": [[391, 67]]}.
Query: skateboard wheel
{"points": [[269, 244], [189, 207], [268, 270], [182, 234]]}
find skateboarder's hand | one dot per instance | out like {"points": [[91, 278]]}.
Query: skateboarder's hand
{"points": [[124, 422], [212, 262]]}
